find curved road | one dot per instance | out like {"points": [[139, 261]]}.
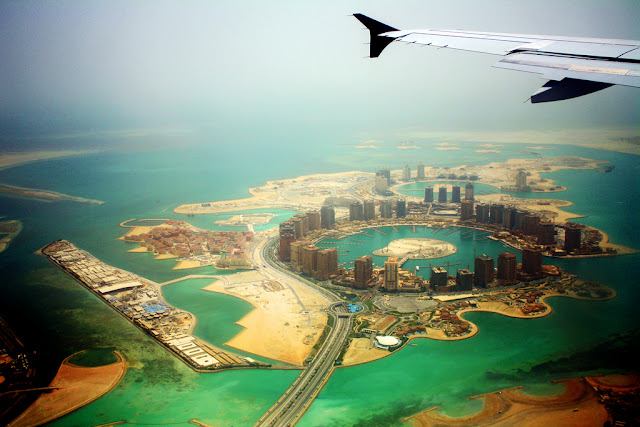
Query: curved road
{"points": [[295, 401]]}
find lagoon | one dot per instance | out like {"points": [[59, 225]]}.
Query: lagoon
{"points": [[58, 317]]}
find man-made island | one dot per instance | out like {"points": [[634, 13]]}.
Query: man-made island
{"points": [[297, 283], [140, 301], [191, 246], [73, 387], [593, 400]]}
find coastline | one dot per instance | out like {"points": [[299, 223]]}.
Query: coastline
{"points": [[72, 388], [42, 195], [269, 195], [363, 353], [578, 404], [278, 327]]}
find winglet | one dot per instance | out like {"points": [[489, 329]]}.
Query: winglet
{"points": [[378, 43]]}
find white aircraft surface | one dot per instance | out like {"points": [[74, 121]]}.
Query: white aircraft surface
{"points": [[574, 66]]}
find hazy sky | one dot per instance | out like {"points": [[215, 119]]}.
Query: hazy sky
{"points": [[285, 69]]}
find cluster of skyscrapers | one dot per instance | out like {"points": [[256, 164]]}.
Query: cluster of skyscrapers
{"points": [[304, 256], [443, 194], [406, 172], [484, 275], [535, 233], [392, 277]]}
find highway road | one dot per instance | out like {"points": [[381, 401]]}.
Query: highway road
{"points": [[295, 401]]}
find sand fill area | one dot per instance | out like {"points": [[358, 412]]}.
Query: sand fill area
{"points": [[287, 319], [306, 190], [577, 406], [74, 387], [417, 248], [360, 350]]}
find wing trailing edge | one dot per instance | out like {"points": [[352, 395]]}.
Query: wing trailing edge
{"points": [[573, 66]]}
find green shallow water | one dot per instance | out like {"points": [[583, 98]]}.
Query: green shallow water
{"points": [[216, 313], [58, 317]]}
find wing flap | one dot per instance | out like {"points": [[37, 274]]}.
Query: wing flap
{"points": [[560, 67], [600, 50]]}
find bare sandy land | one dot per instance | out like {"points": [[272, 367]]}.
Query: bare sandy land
{"points": [[287, 320], [488, 151], [576, 406], [417, 248], [269, 195], [76, 387], [187, 264], [360, 351], [503, 173], [165, 256], [136, 231], [552, 210], [139, 249]]}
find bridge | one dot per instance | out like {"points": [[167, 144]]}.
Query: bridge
{"points": [[290, 407], [297, 399]]}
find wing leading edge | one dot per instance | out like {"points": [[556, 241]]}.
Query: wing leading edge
{"points": [[574, 66]]}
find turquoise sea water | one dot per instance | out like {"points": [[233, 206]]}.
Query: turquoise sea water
{"points": [[58, 317]]}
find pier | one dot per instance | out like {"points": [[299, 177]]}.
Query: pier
{"points": [[380, 231], [343, 243], [440, 229], [453, 230]]}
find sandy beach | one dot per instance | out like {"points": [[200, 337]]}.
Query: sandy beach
{"points": [[74, 387], [287, 319]]}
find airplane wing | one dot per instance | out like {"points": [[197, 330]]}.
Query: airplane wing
{"points": [[574, 66]]}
